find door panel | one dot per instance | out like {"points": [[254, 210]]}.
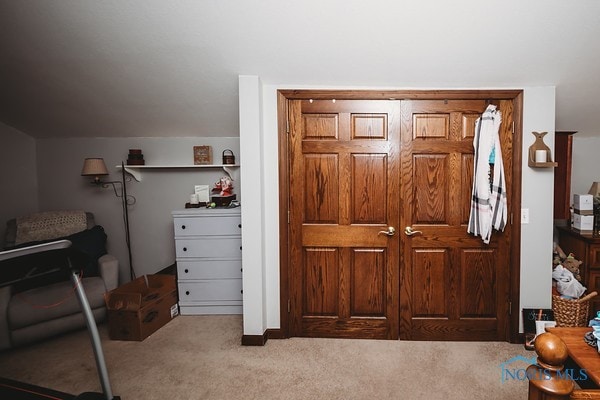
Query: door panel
{"points": [[369, 182], [431, 188], [453, 287], [368, 278], [344, 191], [429, 271], [321, 203], [321, 282], [478, 283]]}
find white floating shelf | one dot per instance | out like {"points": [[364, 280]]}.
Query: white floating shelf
{"points": [[136, 170]]}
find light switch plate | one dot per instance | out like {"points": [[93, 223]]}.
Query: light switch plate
{"points": [[524, 215]]}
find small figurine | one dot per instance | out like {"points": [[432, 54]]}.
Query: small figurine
{"points": [[224, 186]]}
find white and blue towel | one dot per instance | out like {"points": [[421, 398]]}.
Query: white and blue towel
{"points": [[488, 200]]}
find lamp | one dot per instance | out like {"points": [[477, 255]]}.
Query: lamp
{"points": [[94, 167], [97, 168]]}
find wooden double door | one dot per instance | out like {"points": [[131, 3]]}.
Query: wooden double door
{"points": [[378, 199]]}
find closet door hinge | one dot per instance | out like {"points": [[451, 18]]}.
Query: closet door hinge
{"points": [[513, 127], [510, 308], [289, 306], [287, 126]]}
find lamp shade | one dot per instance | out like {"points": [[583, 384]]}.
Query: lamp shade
{"points": [[94, 167]]}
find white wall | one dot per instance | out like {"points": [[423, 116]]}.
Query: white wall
{"points": [[253, 240], [18, 179], [159, 193], [586, 163], [537, 195]]}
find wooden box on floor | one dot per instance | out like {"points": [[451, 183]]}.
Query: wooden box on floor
{"points": [[139, 308]]}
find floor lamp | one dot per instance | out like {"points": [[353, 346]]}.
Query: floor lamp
{"points": [[96, 168]]}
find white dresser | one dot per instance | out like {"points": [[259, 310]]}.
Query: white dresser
{"points": [[208, 251]]}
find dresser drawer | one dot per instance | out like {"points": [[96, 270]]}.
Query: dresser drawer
{"points": [[210, 290], [209, 247], [209, 269], [193, 226]]}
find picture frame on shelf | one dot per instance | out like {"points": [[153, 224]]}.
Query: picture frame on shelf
{"points": [[202, 155]]}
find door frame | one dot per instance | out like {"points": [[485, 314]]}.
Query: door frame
{"points": [[284, 96]]}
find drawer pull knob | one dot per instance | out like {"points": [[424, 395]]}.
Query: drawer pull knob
{"points": [[242, 291], [182, 226], [186, 271], [185, 249], [240, 225], [187, 292], [240, 247]]}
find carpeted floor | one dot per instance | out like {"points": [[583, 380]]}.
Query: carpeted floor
{"points": [[200, 357]]}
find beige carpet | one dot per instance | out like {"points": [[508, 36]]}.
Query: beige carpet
{"points": [[200, 357]]}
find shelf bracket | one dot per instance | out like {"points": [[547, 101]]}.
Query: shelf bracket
{"points": [[135, 173], [228, 171]]}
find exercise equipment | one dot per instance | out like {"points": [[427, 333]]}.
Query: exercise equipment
{"points": [[26, 263]]}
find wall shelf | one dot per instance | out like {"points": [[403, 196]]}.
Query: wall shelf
{"points": [[136, 170], [534, 164], [540, 146]]}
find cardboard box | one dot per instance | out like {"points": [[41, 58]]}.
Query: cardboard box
{"points": [[583, 223], [583, 202], [139, 308]]}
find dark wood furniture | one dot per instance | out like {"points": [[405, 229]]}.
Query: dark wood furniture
{"points": [[585, 247], [563, 146], [563, 359], [585, 356]]}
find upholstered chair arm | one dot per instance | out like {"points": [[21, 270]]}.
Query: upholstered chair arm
{"points": [[5, 293], [108, 265]]}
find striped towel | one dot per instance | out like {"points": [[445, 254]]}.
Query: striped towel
{"points": [[488, 200]]}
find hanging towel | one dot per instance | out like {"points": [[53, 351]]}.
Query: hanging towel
{"points": [[488, 200]]}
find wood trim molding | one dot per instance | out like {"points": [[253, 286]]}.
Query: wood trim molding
{"points": [[515, 256], [401, 94], [261, 340], [282, 127], [276, 334], [254, 340]]}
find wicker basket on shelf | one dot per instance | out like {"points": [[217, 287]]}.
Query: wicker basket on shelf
{"points": [[569, 312]]}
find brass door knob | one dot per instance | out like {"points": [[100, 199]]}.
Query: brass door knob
{"points": [[391, 231], [409, 231]]}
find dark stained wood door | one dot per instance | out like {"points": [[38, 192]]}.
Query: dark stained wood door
{"points": [[452, 286], [343, 195]]}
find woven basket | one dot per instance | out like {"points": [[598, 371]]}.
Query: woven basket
{"points": [[571, 312]]}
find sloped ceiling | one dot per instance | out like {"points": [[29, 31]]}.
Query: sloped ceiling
{"points": [[119, 68]]}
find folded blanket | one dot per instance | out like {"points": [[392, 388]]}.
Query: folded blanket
{"points": [[49, 225]]}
